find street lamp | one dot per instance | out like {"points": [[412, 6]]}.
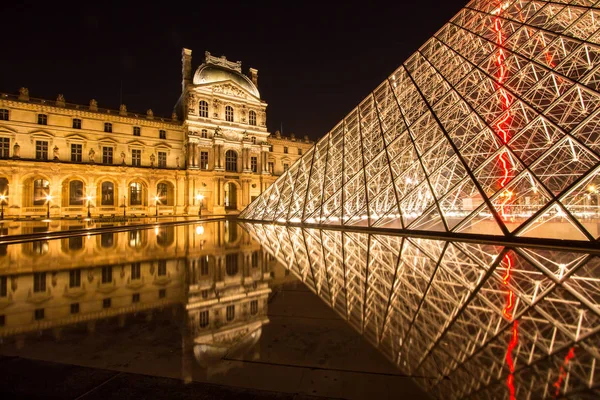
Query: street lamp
{"points": [[156, 200], [2, 200], [89, 199], [48, 199], [199, 197]]}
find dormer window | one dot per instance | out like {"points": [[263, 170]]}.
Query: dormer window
{"points": [[107, 127], [252, 117], [204, 133], [42, 119], [203, 109], [229, 114], [137, 131]]}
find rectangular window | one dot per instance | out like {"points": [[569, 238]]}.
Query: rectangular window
{"points": [[271, 166], [136, 157], [230, 313], [203, 265], [106, 274], [106, 303], [254, 307], [2, 320], [203, 319], [41, 150], [285, 149], [3, 114], [286, 167], [162, 159], [38, 314], [42, 119], [3, 286], [76, 123], [204, 160], [107, 155], [299, 152], [271, 149], [255, 256], [75, 278], [136, 271], [4, 147], [135, 298], [162, 293], [162, 134], [76, 151], [75, 308], [39, 282], [137, 131], [107, 127], [162, 267], [254, 164]]}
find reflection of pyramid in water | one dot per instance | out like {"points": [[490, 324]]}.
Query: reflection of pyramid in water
{"points": [[491, 127]]}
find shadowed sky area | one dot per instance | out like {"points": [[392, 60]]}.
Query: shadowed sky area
{"points": [[315, 61]]}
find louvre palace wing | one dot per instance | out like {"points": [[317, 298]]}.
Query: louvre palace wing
{"points": [[465, 320], [490, 127]]}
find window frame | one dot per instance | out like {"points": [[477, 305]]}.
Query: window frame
{"points": [[76, 152], [41, 150], [108, 127], [4, 114], [42, 119], [162, 134], [106, 156], [136, 157], [162, 159], [252, 117], [229, 113], [76, 123], [137, 131], [203, 109]]}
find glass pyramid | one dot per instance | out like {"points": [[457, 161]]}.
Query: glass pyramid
{"points": [[491, 127]]}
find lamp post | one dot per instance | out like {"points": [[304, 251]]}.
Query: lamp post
{"points": [[89, 199], [199, 197], [48, 199], [2, 200], [156, 200]]}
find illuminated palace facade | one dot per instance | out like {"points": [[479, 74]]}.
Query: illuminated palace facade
{"points": [[213, 152]]}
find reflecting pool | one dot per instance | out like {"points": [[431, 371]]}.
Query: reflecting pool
{"points": [[197, 302]]}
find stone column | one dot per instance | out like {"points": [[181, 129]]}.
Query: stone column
{"points": [[189, 154], [195, 155]]}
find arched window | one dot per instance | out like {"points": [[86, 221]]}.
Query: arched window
{"points": [[165, 236], [107, 240], [4, 186], [164, 192], [203, 109], [231, 264], [229, 114], [136, 194], [252, 117], [41, 189], [231, 161], [75, 193], [108, 194]]}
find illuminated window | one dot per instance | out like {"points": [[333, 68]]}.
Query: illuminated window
{"points": [[137, 131], [252, 117], [162, 191], [76, 123], [254, 164], [107, 155], [136, 238], [231, 161], [107, 127], [162, 159], [4, 147], [107, 274], [42, 119], [75, 278], [230, 313], [136, 157], [135, 194], [75, 193], [203, 319], [162, 134], [203, 109], [41, 188], [254, 307], [204, 160], [39, 282], [76, 151], [203, 265], [41, 150], [3, 114], [204, 133], [108, 194], [229, 113]]}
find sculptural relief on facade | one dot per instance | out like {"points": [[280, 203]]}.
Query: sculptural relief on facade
{"points": [[229, 89]]}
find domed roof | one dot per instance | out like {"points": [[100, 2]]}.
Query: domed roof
{"points": [[210, 73]]}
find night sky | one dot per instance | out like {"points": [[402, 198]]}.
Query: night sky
{"points": [[315, 61]]}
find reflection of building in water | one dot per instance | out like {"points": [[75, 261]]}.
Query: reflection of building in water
{"points": [[214, 270], [438, 309]]}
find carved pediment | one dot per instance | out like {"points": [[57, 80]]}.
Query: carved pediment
{"points": [[230, 89]]}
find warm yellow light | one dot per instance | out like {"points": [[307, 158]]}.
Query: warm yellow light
{"points": [[199, 230], [592, 188], [156, 198], [156, 230], [199, 197], [48, 197], [88, 197], [2, 197]]}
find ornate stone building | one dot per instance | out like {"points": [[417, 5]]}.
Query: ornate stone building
{"points": [[58, 158]]}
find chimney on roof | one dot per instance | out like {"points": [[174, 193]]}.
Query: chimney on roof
{"points": [[186, 68], [254, 76]]}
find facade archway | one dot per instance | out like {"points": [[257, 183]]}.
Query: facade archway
{"points": [[138, 193], [232, 195], [107, 193], [35, 191], [165, 191]]}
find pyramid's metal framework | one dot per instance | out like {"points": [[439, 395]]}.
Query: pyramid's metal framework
{"points": [[492, 127], [466, 320]]}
